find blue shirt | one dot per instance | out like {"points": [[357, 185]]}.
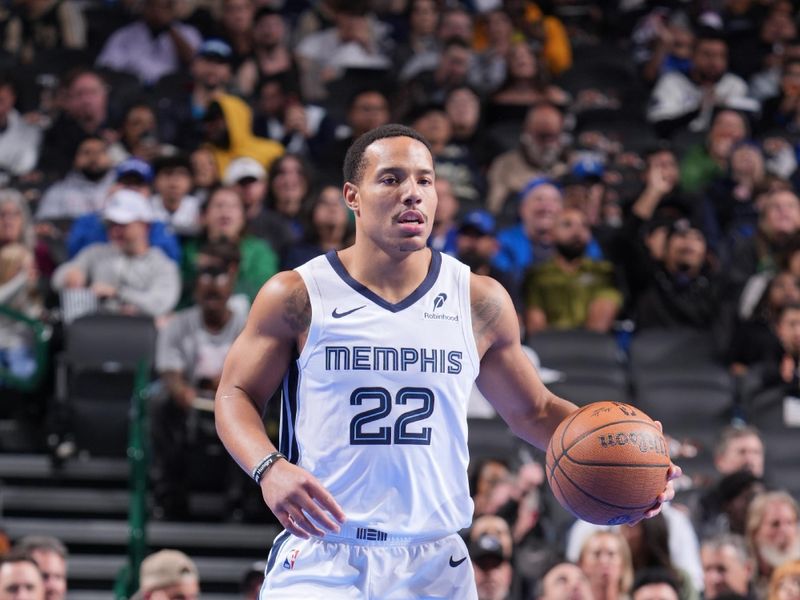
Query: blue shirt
{"points": [[517, 252], [89, 229]]}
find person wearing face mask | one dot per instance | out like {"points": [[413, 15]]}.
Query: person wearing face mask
{"points": [[570, 290], [683, 290]]}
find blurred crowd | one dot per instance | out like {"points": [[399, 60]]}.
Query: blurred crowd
{"points": [[618, 166]]}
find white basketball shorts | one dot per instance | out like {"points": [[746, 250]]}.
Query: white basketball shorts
{"points": [[368, 565]]}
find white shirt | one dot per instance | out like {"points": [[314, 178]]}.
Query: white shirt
{"points": [[133, 49], [675, 95], [185, 220]]}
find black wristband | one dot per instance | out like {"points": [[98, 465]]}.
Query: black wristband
{"points": [[262, 467]]}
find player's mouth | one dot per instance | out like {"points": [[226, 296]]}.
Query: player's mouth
{"points": [[411, 221]]}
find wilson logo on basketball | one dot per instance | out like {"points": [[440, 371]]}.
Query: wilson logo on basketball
{"points": [[647, 442]]}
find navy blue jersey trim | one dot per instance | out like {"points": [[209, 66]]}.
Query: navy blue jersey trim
{"points": [[424, 287], [275, 550], [288, 435]]}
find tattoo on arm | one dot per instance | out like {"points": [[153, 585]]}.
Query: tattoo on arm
{"points": [[297, 310], [485, 313]]}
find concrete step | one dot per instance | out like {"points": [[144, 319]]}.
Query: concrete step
{"points": [[213, 570], [102, 532]]}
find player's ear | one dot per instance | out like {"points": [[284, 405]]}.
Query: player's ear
{"points": [[351, 197]]}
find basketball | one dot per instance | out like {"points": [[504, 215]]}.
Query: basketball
{"points": [[607, 463]]}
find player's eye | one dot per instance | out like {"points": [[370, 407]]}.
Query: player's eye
{"points": [[389, 180]]}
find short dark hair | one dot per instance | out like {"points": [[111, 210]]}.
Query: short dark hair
{"points": [[224, 250], [18, 556], [652, 576], [354, 159], [173, 161], [46, 543]]}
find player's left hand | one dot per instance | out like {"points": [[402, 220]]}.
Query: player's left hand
{"points": [[669, 492]]}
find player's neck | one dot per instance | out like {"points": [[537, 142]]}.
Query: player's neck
{"points": [[391, 278]]}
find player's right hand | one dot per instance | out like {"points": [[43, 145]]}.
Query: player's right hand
{"points": [[293, 494]]}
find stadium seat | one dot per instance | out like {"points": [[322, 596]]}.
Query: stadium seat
{"points": [[770, 412], [570, 348], [671, 348], [95, 378]]}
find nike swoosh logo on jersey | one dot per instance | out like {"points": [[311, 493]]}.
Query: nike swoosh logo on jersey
{"points": [[339, 315], [455, 563]]}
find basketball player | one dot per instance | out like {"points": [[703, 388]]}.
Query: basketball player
{"points": [[377, 346]]}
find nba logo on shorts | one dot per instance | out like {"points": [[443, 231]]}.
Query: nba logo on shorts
{"points": [[290, 558]]}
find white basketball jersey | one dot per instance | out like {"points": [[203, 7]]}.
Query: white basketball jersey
{"points": [[375, 406]]}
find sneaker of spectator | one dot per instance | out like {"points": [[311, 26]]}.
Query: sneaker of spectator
{"points": [[19, 140], [227, 128], [540, 153], [271, 55], [126, 274], [153, 46], [85, 113], [708, 85], [172, 202]]}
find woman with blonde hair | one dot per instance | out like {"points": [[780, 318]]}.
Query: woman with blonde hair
{"points": [[606, 559]]}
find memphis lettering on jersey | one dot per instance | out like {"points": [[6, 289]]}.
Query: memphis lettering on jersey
{"points": [[382, 358]]}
